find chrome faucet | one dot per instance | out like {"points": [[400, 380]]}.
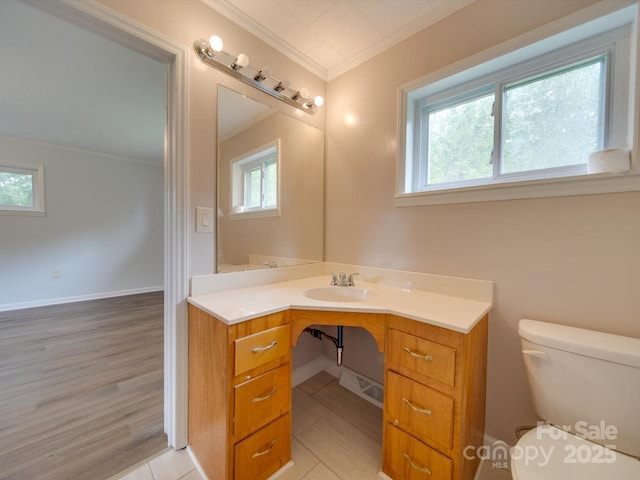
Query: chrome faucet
{"points": [[342, 280], [269, 264]]}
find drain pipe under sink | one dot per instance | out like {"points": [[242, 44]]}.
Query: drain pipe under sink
{"points": [[319, 334]]}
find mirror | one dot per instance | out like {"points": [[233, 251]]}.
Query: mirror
{"points": [[270, 187]]}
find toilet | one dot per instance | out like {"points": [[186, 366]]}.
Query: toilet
{"points": [[585, 386]]}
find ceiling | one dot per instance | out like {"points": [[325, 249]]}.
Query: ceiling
{"points": [[64, 85], [329, 37], [237, 112]]}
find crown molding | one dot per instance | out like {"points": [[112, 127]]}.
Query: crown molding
{"points": [[235, 15]]}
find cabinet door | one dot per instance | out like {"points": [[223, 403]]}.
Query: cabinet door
{"points": [[265, 452], [405, 458], [422, 356], [421, 411], [261, 400]]}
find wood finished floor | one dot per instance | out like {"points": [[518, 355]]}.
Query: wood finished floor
{"points": [[81, 388]]}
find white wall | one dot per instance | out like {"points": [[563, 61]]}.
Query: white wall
{"points": [[103, 228]]}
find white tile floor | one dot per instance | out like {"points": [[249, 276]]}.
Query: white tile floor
{"points": [[170, 465], [336, 435]]}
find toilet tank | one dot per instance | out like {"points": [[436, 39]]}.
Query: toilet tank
{"points": [[584, 381]]}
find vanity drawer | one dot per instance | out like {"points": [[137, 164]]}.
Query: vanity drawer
{"points": [[261, 400], [260, 348], [422, 356], [421, 411], [265, 452], [406, 458]]}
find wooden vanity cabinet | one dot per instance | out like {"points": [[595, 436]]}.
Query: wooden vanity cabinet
{"points": [[434, 400], [240, 395]]}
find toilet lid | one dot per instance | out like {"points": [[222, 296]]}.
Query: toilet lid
{"points": [[547, 453]]}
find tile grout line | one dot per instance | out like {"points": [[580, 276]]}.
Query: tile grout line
{"points": [[346, 419], [312, 424]]}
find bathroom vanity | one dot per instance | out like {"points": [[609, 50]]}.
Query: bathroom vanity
{"points": [[240, 375]]}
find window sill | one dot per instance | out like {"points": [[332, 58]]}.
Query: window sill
{"points": [[25, 213], [269, 212], [557, 187]]}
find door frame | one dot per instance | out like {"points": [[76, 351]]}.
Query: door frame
{"points": [[104, 21]]}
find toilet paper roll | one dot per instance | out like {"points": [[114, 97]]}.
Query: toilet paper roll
{"points": [[609, 160]]}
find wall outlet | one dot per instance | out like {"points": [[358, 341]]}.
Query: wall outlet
{"points": [[56, 273]]}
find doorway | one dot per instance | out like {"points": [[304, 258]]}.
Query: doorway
{"points": [[99, 19]]}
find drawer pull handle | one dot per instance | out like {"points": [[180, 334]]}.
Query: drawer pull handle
{"points": [[414, 466], [417, 355], [264, 452], [266, 397], [416, 409], [262, 349]]}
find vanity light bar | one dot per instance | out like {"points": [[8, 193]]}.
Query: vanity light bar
{"points": [[211, 53]]}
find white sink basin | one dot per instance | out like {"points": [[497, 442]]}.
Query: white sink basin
{"points": [[338, 294]]}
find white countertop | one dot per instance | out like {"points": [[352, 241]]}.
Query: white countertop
{"points": [[240, 304]]}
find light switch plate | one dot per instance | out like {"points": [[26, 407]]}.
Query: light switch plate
{"points": [[204, 219]]}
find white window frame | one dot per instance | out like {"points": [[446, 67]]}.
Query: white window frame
{"points": [[565, 42], [37, 173], [242, 164]]}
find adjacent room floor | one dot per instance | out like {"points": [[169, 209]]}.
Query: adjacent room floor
{"points": [[81, 388]]}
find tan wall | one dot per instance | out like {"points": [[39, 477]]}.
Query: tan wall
{"points": [[298, 231], [573, 260]]}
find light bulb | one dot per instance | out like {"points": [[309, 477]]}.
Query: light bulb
{"points": [[318, 101], [242, 60], [304, 93], [215, 42]]}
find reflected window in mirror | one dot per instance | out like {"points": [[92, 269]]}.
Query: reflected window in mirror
{"points": [[255, 184], [292, 233]]}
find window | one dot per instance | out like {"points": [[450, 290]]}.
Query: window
{"points": [[255, 183], [518, 122], [549, 124], [458, 140], [21, 188]]}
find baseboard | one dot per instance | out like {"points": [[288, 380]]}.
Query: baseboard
{"points": [[194, 459], [315, 366], [78, 298], [498, 449], [280, 472], [495, 460]]}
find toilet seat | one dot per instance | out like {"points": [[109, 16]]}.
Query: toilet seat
{"points": [[563, 456]]}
